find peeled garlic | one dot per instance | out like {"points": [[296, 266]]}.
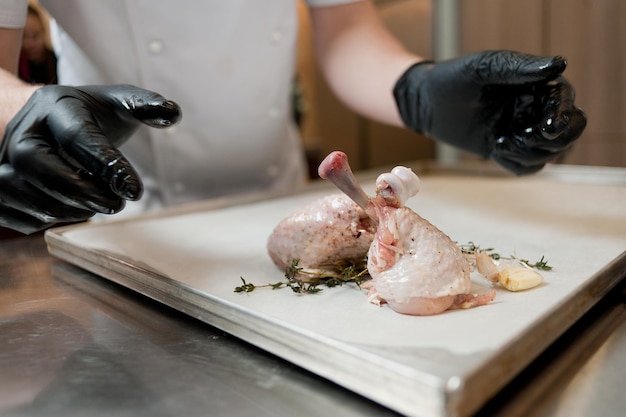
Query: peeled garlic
{"points": [[511, 277], [519, 278]]}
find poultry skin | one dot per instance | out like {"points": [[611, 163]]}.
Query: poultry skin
{"points": [[321, 234], [415, 268]]}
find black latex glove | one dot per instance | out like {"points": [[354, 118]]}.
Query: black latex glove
{"points": [[59, 160], [514, 108]]}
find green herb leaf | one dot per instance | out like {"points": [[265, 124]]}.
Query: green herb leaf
{"points": [[304, 281]]}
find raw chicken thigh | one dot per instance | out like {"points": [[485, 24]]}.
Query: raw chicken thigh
{"points": [[325, 232], [415, 267]]}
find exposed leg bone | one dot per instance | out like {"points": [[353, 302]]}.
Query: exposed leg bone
{"points": [[335, 168]]}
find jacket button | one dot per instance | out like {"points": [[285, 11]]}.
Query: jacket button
{"points": [[155, 47]]}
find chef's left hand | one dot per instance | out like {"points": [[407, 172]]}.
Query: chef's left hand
{"points": [[514, 108], [59, 158]]}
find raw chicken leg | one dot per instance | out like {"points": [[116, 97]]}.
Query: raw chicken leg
{"points": [[415, 268], [320, 235]]}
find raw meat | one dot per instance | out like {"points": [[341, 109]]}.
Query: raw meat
{"points": [[415, 267], [321, 234]]}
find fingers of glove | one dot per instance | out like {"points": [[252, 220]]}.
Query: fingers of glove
{"points": [[514, 154], [560, 114], [21, 222], [24, 223], [509, 67], [516, 167], [146, 106], [81, 138], [576, 122], [41, 171], [20, 203]]}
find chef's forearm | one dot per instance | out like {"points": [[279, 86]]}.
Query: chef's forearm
{"points": [[360, 58], [14, 93], [10, 45]]}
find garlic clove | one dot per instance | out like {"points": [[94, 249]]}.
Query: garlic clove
{"points": [[519, 278], [486, 266]]}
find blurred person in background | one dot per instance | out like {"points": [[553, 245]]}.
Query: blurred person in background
{"points": [[38, 62]]}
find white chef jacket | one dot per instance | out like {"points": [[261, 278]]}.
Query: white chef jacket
{"points": [[230, 66]]}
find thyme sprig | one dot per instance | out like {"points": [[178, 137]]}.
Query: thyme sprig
{"points": [[541, 264], [308, 281], [249, 287], [468, 249]]}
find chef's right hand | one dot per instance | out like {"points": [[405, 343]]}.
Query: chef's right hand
{"points": [[512, 107], [59, 160]]}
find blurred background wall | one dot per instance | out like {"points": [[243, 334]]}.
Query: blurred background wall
{"points": [[590, 33]]}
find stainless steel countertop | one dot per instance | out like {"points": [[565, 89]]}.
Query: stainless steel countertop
{"points": [[75, 344]]}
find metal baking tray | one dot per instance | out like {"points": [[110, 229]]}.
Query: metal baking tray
{"points": [[192, 258]]}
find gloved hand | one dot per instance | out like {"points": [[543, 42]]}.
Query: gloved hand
{"points": [[514, 108], [59, 160]]}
